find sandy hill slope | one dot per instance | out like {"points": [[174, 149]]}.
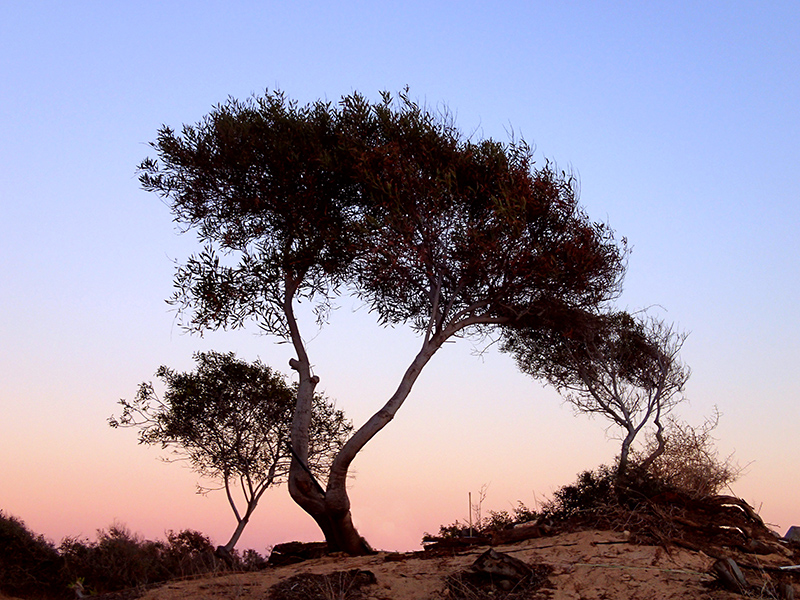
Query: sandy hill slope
{"points": [[586, 564]]}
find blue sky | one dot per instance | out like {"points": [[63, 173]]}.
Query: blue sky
{"points": [[680, 119]]}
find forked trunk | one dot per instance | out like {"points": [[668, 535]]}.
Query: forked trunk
{"points": [[336, 523], [330, 507]]}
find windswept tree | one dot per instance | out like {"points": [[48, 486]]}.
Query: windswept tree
{"points": [[385, 200], [231, 420], [622, 367]]}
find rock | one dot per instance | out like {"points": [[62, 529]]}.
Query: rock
{"points": [[519, 533], [294, 552], [502, 565], [793, 535], [730, 575]]}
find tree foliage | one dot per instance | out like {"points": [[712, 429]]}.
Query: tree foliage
{"points": [[263, 181], [386, 197], [625, 368], [466, 233], [231, 420], [387, 201]]}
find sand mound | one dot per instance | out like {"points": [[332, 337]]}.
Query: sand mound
{"points": [[582, 565]]}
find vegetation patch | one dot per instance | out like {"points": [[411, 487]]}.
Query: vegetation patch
{"points": [[118, 565], [29, 564], [340, 585]]}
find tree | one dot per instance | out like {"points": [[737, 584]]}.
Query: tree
{"points": [[231, 421], [384, 200], [625, 368]]}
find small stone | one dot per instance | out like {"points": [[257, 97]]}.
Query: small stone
{"points": [[793, 535], [729, 573]]}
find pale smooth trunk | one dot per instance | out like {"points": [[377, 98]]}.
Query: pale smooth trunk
{"points": [[330, 507]]}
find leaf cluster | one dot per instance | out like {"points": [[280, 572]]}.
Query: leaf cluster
{"points": [[262, 180], [470, 232], [576, 345]]}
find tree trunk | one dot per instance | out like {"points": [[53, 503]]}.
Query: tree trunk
{"points": [[660, 448], [330, 507], [237, 534], [622, 465], [226, 552], [334, 521], [336, 525], [251, 507]]}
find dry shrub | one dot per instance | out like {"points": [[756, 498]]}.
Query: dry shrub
{"points": [[472, 585], [340, 585], [690, 463]]}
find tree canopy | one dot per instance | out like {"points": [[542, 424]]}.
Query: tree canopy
{"points": [[384, 200]]}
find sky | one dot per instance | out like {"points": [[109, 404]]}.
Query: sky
{"points": [[680, 120]]}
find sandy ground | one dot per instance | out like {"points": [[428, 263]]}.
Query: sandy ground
{"points": [[585, 565]]}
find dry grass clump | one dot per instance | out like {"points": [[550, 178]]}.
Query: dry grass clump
{"points": [[471, 585], [340, 585]]}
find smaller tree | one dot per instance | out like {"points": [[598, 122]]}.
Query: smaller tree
{"points": [[624, 368], [231, 421]]}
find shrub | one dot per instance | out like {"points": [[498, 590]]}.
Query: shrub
{"points": [[121, 560], [496, 521], [593, 490], [30, 566], [117, 560], [454, 530], [188, 552], [252, 561], [690, 463]]}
